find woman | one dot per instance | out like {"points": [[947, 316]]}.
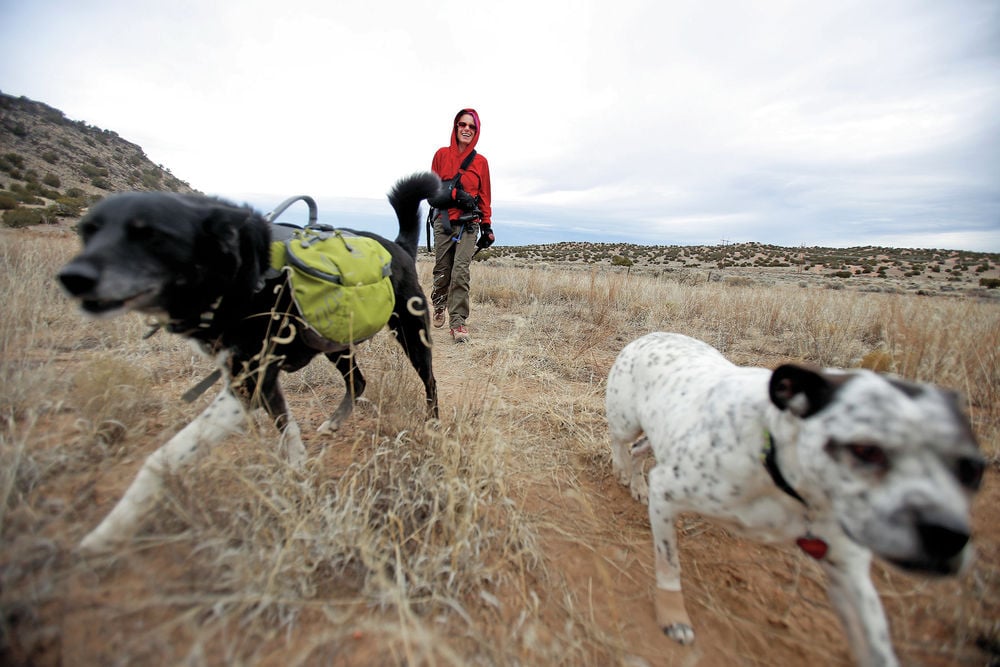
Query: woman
{"points": [[455, 228]]}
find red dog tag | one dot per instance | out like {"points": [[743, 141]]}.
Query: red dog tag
{"points": [[813, 546]]}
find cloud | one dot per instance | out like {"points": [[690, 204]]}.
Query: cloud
{"points": [[781, 122]]}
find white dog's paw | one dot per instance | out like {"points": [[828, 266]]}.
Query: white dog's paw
{"points": [[639, 489], [672, 617], [681, 633]]}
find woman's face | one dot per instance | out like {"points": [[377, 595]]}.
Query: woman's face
{"points": [[465, 129]]}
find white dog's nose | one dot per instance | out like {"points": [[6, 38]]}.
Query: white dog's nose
{"points": [[943, 538]]}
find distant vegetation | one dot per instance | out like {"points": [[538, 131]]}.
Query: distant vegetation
{"points": [[866, 268], [52, 168]]}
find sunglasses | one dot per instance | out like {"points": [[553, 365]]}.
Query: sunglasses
{"points": [[463, 125]]}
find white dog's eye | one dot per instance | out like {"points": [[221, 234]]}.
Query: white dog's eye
{"points": [[870, 455]]}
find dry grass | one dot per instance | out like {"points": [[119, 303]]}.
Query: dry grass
{"points": [[496, 537]]}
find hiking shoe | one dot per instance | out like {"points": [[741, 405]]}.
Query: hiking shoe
{"points": [[460, 334], [439, 317]]}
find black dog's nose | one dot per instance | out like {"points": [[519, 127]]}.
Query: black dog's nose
{"points": [[942, 542], [79, 277]]}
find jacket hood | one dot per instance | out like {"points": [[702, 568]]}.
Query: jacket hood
{"points": [[454, 134]]}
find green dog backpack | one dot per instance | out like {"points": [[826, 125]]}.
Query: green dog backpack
{"points": [[340, 281]]}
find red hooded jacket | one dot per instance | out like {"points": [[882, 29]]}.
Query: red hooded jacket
{"points": [[476, 179]]}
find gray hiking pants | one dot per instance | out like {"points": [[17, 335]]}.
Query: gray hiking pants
{"points": [[451, 269]]}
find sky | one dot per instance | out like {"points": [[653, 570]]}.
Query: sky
{"points": [[674, 122]]}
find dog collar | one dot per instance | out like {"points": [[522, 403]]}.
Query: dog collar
{"points": [[813, 546], [770, 458], [809, 543]]}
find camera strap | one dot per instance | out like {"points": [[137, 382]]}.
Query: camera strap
{"points": [[455, 183]]}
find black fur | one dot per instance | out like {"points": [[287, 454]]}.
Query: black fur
{"points": [[199, 263]]}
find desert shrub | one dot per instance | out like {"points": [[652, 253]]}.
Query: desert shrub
{"points": [[50, 156], [58, 210], [36, 189], [24, 196], [621, 260], [75, 192], [91, 171], [23, 217], [738, 281], [151, 178], [68, 207], [101, 183], [841, 274], [111, 389], [877, 360], [51, 180], [7, 202], [989, 283]]}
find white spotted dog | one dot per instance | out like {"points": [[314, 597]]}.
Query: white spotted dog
{"points": [[842, 463]]}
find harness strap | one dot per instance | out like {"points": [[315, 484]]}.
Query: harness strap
{"points": [[200, 388], [453, 184], [456, 179]]}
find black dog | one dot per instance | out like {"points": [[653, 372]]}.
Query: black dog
{"points": [[201, 265]]}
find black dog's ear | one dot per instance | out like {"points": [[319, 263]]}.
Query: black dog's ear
{"points": [[801, 390]]}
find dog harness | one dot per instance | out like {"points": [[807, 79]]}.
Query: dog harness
{"points": [[809, 543], [340, 281]]}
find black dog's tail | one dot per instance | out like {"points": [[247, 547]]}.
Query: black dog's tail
{"points": [[405, 198]]}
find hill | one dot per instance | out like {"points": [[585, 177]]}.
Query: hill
{"points": [[52, 167]]}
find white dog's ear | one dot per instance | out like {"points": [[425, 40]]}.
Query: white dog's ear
{"points": [[801, 390]]}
